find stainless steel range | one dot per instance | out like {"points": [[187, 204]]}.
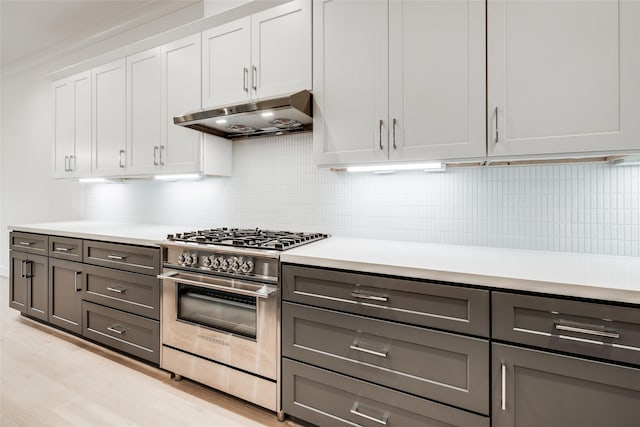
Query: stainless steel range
{"points": [[221, 309]]}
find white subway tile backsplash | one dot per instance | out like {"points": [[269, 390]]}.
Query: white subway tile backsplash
{"points": [[588, 208]]}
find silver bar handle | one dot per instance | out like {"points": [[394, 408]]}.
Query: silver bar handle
{"points": [[254, 78], [228, 285], [22, 268], [369, 297], [61, 249], [117, 290], [503, 387], [26, 243], [117, 330], [497, 132], [580, 330], [366, 350], [161, 151], [245, 80], [117, 257], [380, 134], [354, 411], [395, 122], [66, 163], [28, 269], [156, 149], [120, 159], [75, 281]]}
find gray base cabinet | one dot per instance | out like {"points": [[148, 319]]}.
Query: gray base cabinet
{"points": [[534, 388], [28, 287], [65, 294]]}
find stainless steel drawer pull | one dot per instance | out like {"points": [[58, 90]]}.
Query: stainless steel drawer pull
{"points": [[380, 134], [117, 330], [354, 411], [118, 290], [366, 350], [61, 249], [26, 243], [503, 389], [587, 331], [75, 281], [369, 297], [117, 257]]}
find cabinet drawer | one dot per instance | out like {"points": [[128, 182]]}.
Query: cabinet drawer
{"points": [[437, 365], [422, 303], [123, 331], [138, 259], [65, 248], [29, 242], [329, 399], [132, 292], [592, 329]]}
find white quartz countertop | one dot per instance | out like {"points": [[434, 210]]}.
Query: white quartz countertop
{"points": [[611, 278], [129, 233]]}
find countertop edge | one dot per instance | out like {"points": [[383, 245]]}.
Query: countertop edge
{"points": [[87, 236]]}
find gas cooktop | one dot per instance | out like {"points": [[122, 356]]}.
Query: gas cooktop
{"points": [[247, 238]]}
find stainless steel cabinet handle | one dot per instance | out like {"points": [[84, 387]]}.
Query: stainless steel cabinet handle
{"points": [[366, 350], [75, 281], [117, 330], [254, 78], [120, 159], [380, 134], [66, 163], [354, 411], [28, 269], [26, 243], [117, 290], [156, 149], [245, 79], [580, 330], [22, 268], [61, 249], [116, 257], [503, 387], [497, 134], [369, 297], [161, 151], [395, 121]]}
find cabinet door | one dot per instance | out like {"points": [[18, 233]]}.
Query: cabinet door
{"points": [[109, 130], [62, 127], [36, 272], [281, 50], [226, 57], [18, 282], [80, 157], [350, 80], [564, 77], [181, 149], [143, 112], [65, 302], [436, 79], [533, 388]]}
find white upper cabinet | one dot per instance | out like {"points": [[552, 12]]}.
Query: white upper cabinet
{"points": [[564, 77], [398, 81], [143, 112], [260, 56], [71, 149], [437, 80], [109, 119]]}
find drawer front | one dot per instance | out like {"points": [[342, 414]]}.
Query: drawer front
{"points": [[329, 399], [123, 331], [29, 242], [591, 329], [132, 292], [65, 248], [137, 259], [421, 303], [437, 365]]}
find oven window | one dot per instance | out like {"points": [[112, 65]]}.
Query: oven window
{"points": [[217, 309]]}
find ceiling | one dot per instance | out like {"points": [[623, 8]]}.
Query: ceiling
{"points": [[32, 28]]}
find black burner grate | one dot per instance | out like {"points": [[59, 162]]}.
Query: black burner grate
{"points": [[248, 238]]}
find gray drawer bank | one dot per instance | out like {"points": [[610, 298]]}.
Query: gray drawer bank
{"points": [[357, 350], [107, 292]]}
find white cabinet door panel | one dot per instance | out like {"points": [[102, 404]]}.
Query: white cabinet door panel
{"points": [[62, 127], [226, 57], [143, 124], [563, 76], [350, 111], [280, 50], [81, 162], [109, 118], [437, 79]]}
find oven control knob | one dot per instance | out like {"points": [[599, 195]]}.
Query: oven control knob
{"points": [[190, 259], [182, 258], [247, 267], [216, 262], [234, 264], [206, 261], [224, 264]]}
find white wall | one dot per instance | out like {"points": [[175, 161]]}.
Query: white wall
{"points": [[576, 208]]}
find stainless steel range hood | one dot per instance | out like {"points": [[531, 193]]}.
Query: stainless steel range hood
{"points": [[275, 116]]}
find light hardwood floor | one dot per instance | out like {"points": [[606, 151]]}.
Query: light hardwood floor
{"points": [[50, 378]]}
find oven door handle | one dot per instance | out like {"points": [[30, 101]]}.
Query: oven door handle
{"points": [[228, 285]]}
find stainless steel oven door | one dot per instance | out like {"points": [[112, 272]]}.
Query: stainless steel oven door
{"points": [[230, 321]]}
